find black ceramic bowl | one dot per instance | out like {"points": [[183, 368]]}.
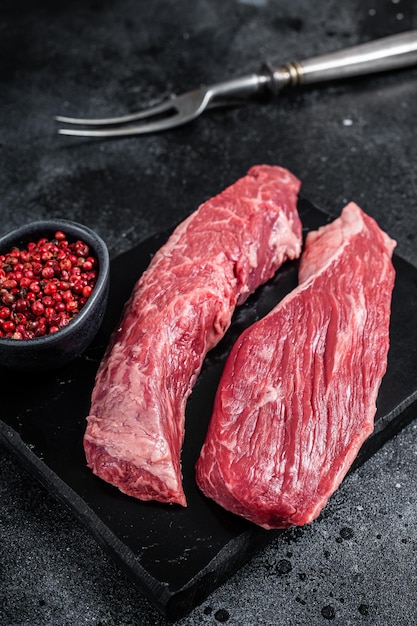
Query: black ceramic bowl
{"points": [[54, 350]]}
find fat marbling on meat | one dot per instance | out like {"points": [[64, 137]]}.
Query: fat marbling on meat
{"points": [[297, 397], [179, 309]]}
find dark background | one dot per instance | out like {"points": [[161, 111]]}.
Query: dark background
{"points": [[347, 141]]}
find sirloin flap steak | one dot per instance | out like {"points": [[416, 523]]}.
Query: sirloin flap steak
{"points": [[179, 309], [297, 397]]}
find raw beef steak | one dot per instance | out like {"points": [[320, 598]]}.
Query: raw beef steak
{"points": [[179, 309], [297, 397]]}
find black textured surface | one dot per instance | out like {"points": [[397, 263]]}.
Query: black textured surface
{"points": [[346, 141]]}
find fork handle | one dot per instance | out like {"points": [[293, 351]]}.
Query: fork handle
{"points": [[384, 54]]}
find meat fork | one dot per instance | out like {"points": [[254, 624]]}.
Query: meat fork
{"points": [[388, 53]]}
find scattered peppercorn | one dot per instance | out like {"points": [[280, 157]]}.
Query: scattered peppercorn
{"points": [[44, 286]]}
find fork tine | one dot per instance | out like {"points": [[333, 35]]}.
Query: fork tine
{"points": [[141, 129], [185, 107], [164, 107], [162, 124]]}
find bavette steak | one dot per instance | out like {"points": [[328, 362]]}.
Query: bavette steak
{"points": [[179, 309], [297, 397]]}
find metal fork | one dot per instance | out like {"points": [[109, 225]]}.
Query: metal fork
{"points": [[388, 53]]}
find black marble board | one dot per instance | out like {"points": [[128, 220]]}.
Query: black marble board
{"points": [[177, 556]]}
